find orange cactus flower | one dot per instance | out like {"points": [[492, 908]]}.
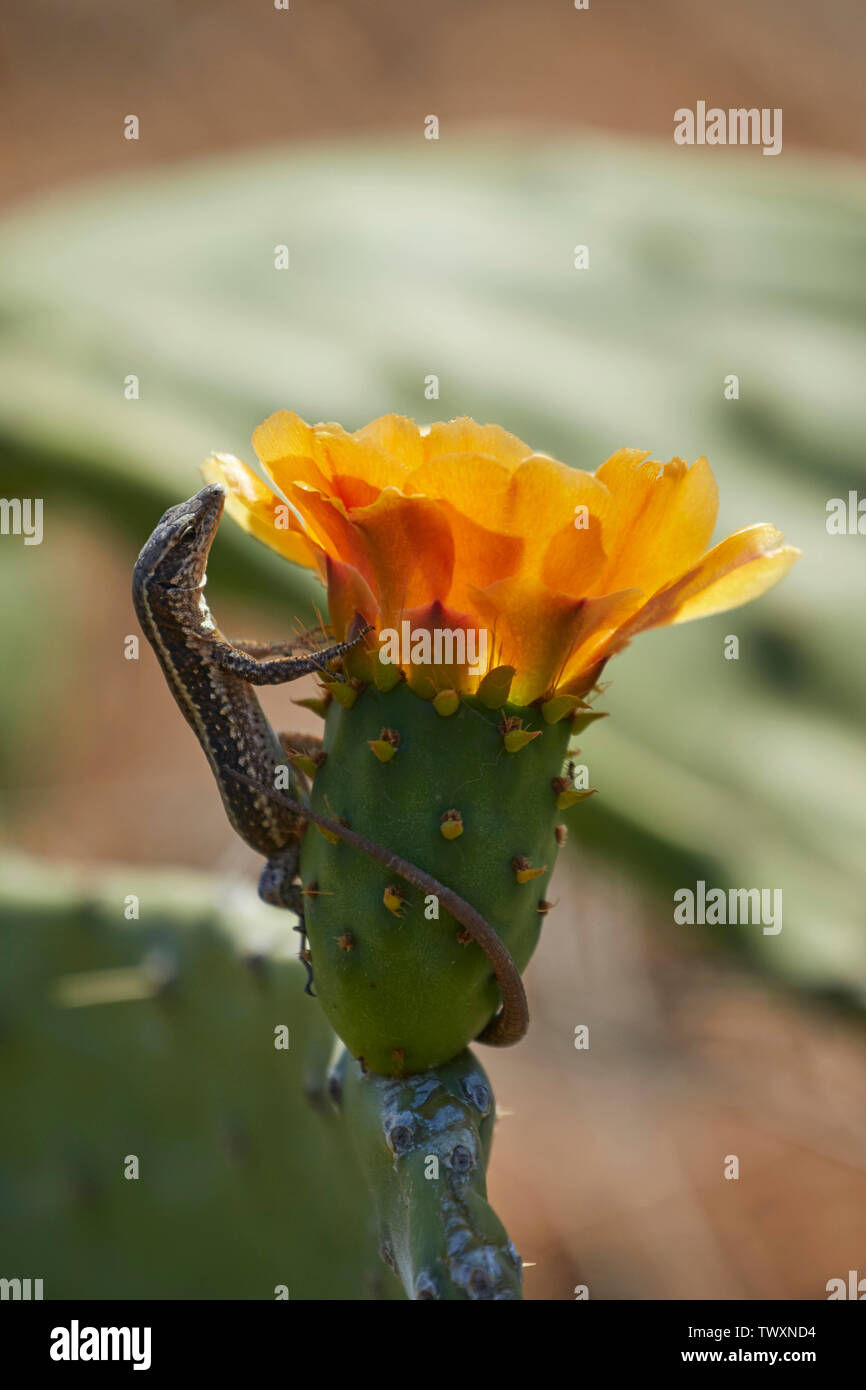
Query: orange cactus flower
{"points": [[462, 527]]}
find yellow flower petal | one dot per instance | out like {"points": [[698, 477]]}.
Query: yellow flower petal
{"points": [[353, 468], [260, 512], [742, 567], [464, 436], [409, 552], [463, 526], [468, 488], [665, 514]]}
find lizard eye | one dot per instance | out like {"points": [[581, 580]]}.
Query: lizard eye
{"points": [[187, 531]]}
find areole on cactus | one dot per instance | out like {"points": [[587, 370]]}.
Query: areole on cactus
{"points": [[497, 583]]}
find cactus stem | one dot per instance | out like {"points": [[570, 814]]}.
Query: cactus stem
{"points": [[441, 1238]]}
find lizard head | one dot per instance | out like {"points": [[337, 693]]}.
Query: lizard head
{"points": [[176, 554]]}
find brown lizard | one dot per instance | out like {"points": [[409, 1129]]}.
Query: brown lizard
{"points": [[212, 682]]}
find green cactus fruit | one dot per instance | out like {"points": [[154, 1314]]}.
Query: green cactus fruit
{"points": [[415, 990], [424, 1145]]}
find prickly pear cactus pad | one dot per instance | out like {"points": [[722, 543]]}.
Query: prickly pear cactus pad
{"points": [[401, 982], [424, 1144]]}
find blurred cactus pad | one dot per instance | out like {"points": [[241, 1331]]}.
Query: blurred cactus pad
{"points": [[159, 1043]]}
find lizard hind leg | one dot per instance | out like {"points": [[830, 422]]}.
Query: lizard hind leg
{"points": [[278, 888], [277, 884]]}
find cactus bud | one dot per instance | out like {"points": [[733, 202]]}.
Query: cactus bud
{"points": [[345, 693], [394, 899], [386, 745], [523, 870], [571, 797], [318, 705], [307, 764], [493, 690], [447, 702], [582, 721], [560, 706], [386, 674]]}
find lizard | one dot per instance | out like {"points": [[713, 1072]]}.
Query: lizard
{"points": [[212, 680]]}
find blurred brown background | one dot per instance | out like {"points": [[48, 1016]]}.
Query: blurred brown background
{"points": [[608, 1170], [218, 75]]}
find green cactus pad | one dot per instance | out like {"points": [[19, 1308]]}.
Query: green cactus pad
{"points": [[403, 991], [424, 1145]]}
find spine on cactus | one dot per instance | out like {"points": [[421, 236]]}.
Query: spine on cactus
{"points": [[424, 1143], [497, 584]]}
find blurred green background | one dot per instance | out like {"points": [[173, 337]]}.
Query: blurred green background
{"points": [[455, 258]]}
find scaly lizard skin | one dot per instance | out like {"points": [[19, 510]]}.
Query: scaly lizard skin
{"points": [[211, 680]]}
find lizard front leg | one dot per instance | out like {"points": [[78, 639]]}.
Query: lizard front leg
{"points": [[252, 647], [276, 670]]}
